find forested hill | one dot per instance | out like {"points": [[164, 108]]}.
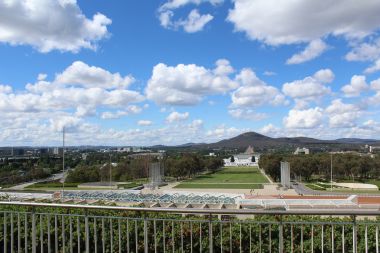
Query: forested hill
{"points": [[260, 142]]}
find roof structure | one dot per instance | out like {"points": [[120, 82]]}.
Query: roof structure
{"points": [[138, 197]]}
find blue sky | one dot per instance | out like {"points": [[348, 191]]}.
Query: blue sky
{"points": [[177, 71]]}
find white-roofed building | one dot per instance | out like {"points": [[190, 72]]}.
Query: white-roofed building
{"points": [[248, 158]]}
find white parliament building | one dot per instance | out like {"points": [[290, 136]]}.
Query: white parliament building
{"points": [[248, 158]]}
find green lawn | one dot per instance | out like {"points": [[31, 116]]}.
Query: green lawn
{"points": [[229, 178], [218, 186], [55, 186], [51, 185]]}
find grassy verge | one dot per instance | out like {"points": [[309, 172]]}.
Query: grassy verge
{"points": [[52, 185], [129, 185]]}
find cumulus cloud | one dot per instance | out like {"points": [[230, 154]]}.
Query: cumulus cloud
{"points": [[43, 128], [324, 75], [5, 89], [375, 85], [357, 85], [132, 109], [188, 84], [313, 50], [374, 68], [194, 22], [222, 131], [365, 51], [50, 25], [269, 73], [310, 88], [247, 114], [177, 116], [255, 92], [81, 74], [80, 89], [175, 4], [343, 115], [309, 118], [144, 123], [283, 22], [270, 130]]}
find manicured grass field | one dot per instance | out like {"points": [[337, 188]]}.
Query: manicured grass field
{"points": [[219, 186], [51, 185], [228, 178]]}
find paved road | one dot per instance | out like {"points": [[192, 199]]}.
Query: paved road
{"points": [[52, 178], [301, 189]]}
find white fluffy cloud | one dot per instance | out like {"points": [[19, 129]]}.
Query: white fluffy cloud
{"points": [[285, 22], [247, 114], [324, 75], [50, 25], [188, 84], [310, 88], [222, 131], [309, 118], [255, 92], [5, 89], [357, 85], [81, 89], [343, 115], [175, 4], [365, 52], [144, 123], [374, 68], [313, 50], [131, 109], [194, 22], [375, 86], [81, 74], [177, 116]]}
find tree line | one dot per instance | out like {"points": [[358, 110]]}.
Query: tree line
{"points": [[24, 170], [179, 166], [307, 167]]}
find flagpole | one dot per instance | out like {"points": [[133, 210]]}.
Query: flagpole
{"points": [[63, 162]]}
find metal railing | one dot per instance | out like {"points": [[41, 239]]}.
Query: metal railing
{"points": [[39, 227]]}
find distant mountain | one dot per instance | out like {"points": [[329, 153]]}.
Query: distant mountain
{"points": [[259, 142], [356, 140]]}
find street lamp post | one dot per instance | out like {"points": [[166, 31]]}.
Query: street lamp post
{"points": [[331, 171], [63, 162], [110, 169]]}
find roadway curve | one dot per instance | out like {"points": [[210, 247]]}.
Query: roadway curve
{"points": [[301, 189]]}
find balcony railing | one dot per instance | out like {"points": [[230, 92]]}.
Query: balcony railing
{"points": [[39, 227]]}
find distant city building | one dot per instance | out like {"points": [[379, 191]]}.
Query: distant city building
{"points": [[17, 152], [84, 156], [147, 155], [56, 151], [373, 149], [302, 151], [43, 151], [124, 149], [248, 158], [211, 154]]}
